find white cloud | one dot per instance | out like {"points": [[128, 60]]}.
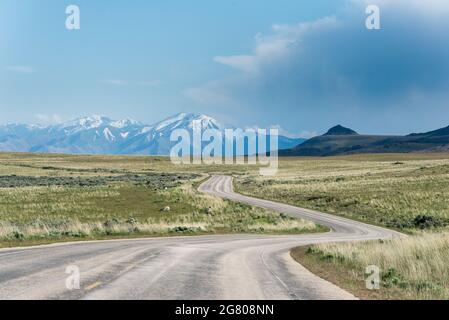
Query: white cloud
{"points": [[315, 74], [47, 119], [276, 46], [245, 63], [118, 82], [286, 133], [303, 134], [21, 69], [115, 82]]}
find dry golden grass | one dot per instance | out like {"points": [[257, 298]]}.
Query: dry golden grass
{"points": [[392, 190], [128, 202], [418, 265], [79, 214], [389, 190], [93, 165]]}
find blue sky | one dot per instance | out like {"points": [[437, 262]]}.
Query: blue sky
{"points": [[304, 65]]}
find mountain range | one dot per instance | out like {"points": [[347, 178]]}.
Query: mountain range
{"points": [[102, 135], [341, 141]]}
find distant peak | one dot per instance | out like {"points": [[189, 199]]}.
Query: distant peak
{"points": [[190, 116], [123, 123], [95, 118], [186, 121], [339, 130]]}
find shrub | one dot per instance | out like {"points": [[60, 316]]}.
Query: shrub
{"points": [[111, 222], [131, 221], [392, 278], [17, 235], [426, 222]]}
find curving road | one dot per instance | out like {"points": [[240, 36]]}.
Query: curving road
{"points": [[205, 267]]}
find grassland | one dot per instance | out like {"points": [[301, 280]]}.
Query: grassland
{"points": [[408, 192], [416, 267], [47, 198]]}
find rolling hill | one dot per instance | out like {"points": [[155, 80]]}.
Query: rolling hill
{"points": [[341, 141]]}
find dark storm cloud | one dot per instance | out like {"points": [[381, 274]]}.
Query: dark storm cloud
{"points": [[314, 74]]}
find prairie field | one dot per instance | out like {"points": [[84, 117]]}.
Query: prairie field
{"points": [[416, 267], [47, 198], [407, 192]]}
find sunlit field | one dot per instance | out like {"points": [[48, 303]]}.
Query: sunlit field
{"points": [[407, 192], [416, 267], [48, 198], [45, 198]]}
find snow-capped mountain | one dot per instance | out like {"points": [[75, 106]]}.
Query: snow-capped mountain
{"points": [[102, 135], [155, 139]]}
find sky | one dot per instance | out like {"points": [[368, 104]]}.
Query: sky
{"points": [[301, 65]]}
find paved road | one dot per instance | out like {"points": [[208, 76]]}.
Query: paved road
{"points": [[206, 267]]}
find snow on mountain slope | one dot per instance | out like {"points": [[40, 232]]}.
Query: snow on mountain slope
{"points": [[101, 135], [155, 139]]}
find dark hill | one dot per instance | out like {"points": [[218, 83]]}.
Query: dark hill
{"points": [[340, 131], [338, 141], [440, 132]]}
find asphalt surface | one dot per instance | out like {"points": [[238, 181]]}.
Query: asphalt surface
{"points": [[204, 267]]}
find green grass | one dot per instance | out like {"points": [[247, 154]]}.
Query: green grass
{"points": [[411, 268], [349, 278], [45, 198], [406, 192], [48, 198]]}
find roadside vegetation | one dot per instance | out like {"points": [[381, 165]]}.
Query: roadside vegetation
{"points": [[416, 267], [406, 192], [47, 198]]}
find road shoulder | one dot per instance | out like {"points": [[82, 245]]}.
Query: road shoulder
{"points": [[342, 276]]}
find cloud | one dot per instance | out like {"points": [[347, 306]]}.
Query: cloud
{"points": [[115, 82], [245, 63], [303, 134], [47, 119], [275, 47], [314, 74], [21, 69]]}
